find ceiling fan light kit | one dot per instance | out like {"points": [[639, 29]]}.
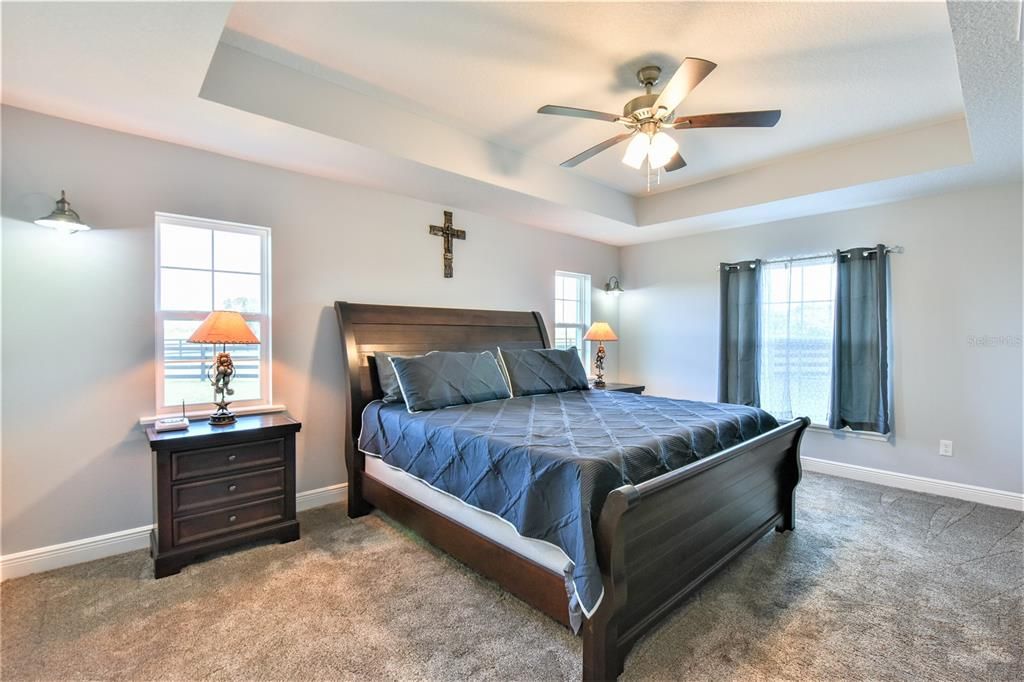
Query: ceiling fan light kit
{"points": [[661, 150], [648, 116], [637, 151]]}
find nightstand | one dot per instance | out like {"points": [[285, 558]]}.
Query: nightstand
{"points": [[622, 388], [216, 487]]}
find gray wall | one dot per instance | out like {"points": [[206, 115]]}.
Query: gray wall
{"points": [[78, 331], [78, 328], [960, 277]]}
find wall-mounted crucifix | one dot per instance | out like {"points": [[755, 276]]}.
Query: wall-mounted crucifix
{"points": [[449, 233]]}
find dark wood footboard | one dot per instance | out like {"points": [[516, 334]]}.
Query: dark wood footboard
{"points": [[660, 540]]}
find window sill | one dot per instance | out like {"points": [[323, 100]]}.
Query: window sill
{"points": [[204, 413], [846, 433]]}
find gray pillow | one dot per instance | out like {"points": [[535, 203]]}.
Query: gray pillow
{"points": [[387, 379], [548, 370], [443, 378]]}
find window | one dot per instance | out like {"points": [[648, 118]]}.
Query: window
{"points": [[204, 265], [797, 309], [572, 311]]}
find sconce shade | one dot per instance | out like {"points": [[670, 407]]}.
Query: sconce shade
{"points": [[63, 218], [224, 326], [600, 331]]}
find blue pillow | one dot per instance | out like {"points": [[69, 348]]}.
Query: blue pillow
{"points": [[387, 379], [443, 378], [548, 370]]}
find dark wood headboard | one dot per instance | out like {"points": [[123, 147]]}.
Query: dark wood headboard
{"points": [[406, 330]]}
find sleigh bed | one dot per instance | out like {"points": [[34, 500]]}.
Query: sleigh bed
{"points": [[655, 541]]}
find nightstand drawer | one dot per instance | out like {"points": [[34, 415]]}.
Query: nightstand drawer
{"points": [[195, 463], [210, 524], [229, 490]]}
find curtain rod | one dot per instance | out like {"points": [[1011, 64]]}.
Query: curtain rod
{"points": [[888, 249]]}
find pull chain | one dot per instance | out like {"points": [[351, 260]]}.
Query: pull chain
{"points": [[650, 171]]}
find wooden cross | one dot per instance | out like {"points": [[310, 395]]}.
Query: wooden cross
{"points": [[449, 233]]}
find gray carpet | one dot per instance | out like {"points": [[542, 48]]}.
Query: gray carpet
{"points": [[875, 584]]}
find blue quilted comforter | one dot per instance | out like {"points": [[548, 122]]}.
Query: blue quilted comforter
{"points": [[546, 463]]}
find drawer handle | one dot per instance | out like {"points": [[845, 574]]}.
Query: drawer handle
{"points": [[232, 457], [232, 518], [232, 488]]}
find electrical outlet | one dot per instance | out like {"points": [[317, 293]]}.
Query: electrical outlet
{"points": [[946, 448]]}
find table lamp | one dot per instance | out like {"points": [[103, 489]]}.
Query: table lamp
{"points": [[600, 332], [223, 327]]}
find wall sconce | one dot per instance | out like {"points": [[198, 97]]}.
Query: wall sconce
{"points": [[613, 288], [63, 218]]}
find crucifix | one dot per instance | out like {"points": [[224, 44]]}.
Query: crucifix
{"points": [[449, 233]]}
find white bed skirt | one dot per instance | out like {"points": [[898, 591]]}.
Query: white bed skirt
{"points": [[485, 523]]}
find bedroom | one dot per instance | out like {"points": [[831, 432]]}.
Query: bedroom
{"points": [[251, 156]]}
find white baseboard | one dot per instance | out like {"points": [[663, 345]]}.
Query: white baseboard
{"points": [[320, 497], [100, 546], [78, 551], [74, 552], [920, 484]]}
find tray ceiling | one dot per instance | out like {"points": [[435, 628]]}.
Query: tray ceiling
{"points": [[437, 100], [838, 71]]}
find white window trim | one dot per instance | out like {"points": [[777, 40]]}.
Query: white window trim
{"points": [[203, 414], [584, 309], [850, 433], [265, 403]]}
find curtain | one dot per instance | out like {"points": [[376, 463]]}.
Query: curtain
{"points": [[739, 348], [797, 305], [861, 378]]}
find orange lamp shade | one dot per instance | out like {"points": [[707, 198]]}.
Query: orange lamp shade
{"points": [[600, 331], [223, 326]]}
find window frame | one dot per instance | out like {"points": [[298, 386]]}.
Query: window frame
{"points": [[264, 317], [583, 288]]}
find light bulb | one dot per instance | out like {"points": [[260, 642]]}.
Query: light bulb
{"points": [[636, 152], [662, 148]]}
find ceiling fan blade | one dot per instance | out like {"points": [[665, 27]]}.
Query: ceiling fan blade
{"points": [[577, 113], [739, 119], [688, 76], [675, 163], [596, 149]]}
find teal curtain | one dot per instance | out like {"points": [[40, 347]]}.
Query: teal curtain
{"points": [[739, 354], [861, 376]]}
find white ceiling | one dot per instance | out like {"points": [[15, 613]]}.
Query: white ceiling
{"points": [[436, 100], [838, 71]]}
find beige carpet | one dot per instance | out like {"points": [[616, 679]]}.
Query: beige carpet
{"points": [[875, 584]]}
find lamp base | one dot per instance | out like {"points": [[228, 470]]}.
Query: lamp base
{"points": [[599, 366], [223, 416]]}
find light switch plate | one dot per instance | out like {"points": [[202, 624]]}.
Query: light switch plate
{"points": [[946, 448]]}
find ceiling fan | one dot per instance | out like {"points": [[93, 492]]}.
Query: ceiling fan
{"points": [[648, 116]]}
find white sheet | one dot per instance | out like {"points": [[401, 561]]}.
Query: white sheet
{"points": [[489, 525]]}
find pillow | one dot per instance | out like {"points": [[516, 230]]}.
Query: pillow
{"points": [[442, 378], [547, 370], [387, 379]]}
